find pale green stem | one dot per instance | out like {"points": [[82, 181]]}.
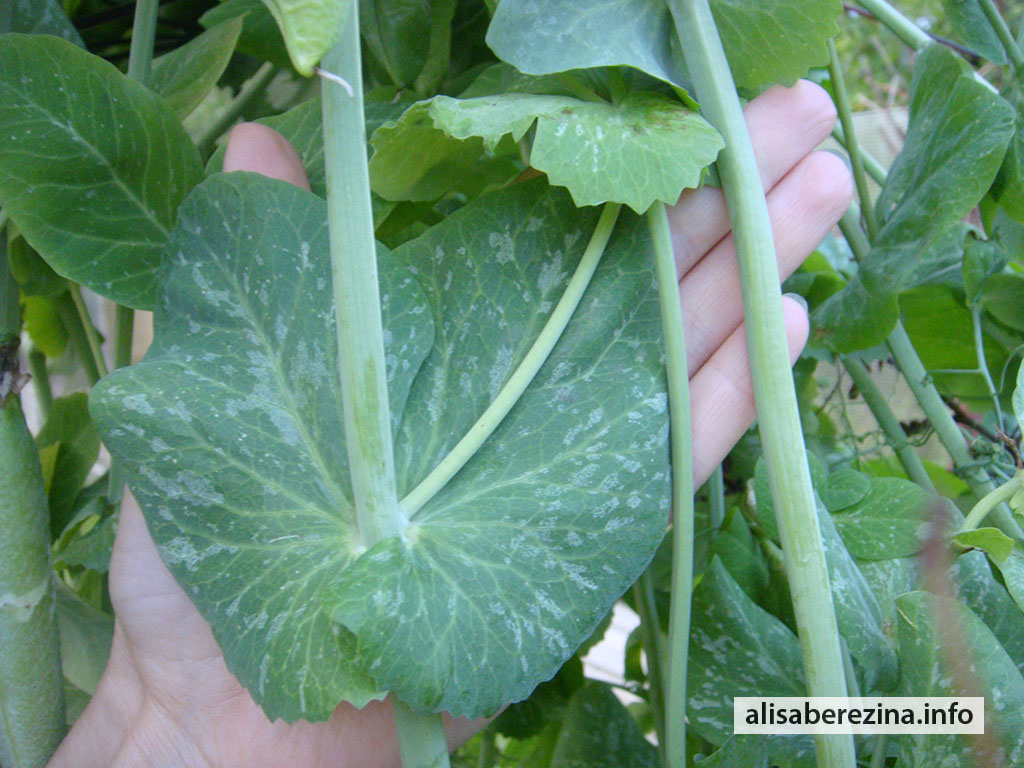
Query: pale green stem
{"points": [[979, 351], [851, 676], [1013, 51], [945, 427], [40, 381], [140, 56], [716, 497], [95, 347], [774, 391], [881, 751], [72, 322], [898, 24], [362, 371], [990, 501], [874, 168], [681, 439], [249, 92], [842, 99], [531, 364], [888, 422], [654, 652], [488, 750]]}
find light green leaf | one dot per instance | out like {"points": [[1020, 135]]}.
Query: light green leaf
{"points": [[397, 33], [931, 631], [85, 638], [768, 41], [645, 148], [44, 326], [972, 577], [38, 17], [309, 28], [563, 507], [92, 166], [599, 732], [260, 35], [70, 427], [888, 579], [844, 488], [888, 522], [240, 468], [738, 649], [413, 160], [185, 75], [1012, 569], [996, 544]]}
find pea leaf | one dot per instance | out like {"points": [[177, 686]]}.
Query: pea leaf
{"points": [[973, 27], [260, 36], [738, 649], [85, 638], [886, 522], [1009, 184], [185, 75], [396, 33], [69, 427], [976, 586], [38, 17], [931, 631], [958, 133], [599, 732], [996, 544], [104, 218], [231, 427], [645, 148], [42, 321], [309, 28]]}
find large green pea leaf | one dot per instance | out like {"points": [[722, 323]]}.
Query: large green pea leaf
{"points": [[599, 732], [958, 133], [766, 41], [309, 28], [232, 430], [38, 17], [932, 632], [973, 27], [185, 75], [645, 148], [507, 570], [1009, 185], [92, 166], [982, 593]]}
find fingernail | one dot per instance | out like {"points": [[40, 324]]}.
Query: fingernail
{"points": [[798, 299]]}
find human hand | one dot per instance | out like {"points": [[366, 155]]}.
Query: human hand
{"points": [[167, 697]]}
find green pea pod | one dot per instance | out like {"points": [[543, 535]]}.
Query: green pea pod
{"points": [[32, 720]]}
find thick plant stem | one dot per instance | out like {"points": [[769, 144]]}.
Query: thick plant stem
{"points": [[681, 441], [898, 24], [945, 427], [364, 392], [842, 99], [32, 721], [888, 422], [520, 379], [140, 56], [1013, 51], [774, 392]]}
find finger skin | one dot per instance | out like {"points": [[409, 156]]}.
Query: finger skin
{"points": [[257, 148], [724, 389], [785, 125]]}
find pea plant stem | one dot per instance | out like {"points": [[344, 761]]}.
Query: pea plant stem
{"points": [[32, 720], [91, 335], [774, 392], [681, 443], [898, 24], [72, 322], [888, 422], [140, 55], [520, 379], [990, 501], [842, 101], [360, 333], [654, 653], [979, 351], [874, 168]]}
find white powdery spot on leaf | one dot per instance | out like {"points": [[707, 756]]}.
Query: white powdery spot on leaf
{"points": [[504, 246], [138, 403]]}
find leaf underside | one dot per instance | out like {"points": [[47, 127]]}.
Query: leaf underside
{"points": [[232, 429]]}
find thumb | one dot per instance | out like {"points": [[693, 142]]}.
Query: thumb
{"points": [[255, 147]]}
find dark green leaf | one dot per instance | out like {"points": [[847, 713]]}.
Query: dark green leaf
{"points": [[260, 36], [38, 17], [982, 259], [70, 427], [92, 549], [1003, 298], [396, 32], [1012, 569], [845, 487], [92, 166], [741, 555], [888, 580], [978, 588], [887, 522], [85, 637], [645, 148], [974, 29], [932, 631], [748, 751], [1009, 185], [35, 276], [184, 76], [599, 732], [545, 705]]}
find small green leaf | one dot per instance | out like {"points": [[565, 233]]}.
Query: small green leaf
{"points": [[599, 732], [85, 638], [1001, 298], [932, 630], [1012, 569], [70, 427], [992, 541], [38, 17], [92, 166], [92, 549], [44, 326], [845, 487], [396, 32], [309, 28], [645, 148], [34, 276], [185, 75], [982, 260]]}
